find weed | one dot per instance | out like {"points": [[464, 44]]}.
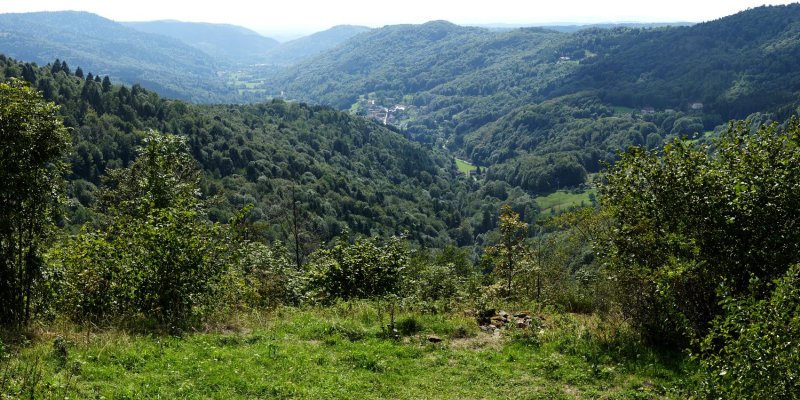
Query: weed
{"points": [[409, 326]]}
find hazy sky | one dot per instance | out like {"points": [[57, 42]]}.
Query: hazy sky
{"points": [[304, 16]]}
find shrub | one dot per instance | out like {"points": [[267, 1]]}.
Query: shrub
{"points": [[409, 326], [693, 222], [156, 256], [365, 269], [752, 352], [269, 275]]}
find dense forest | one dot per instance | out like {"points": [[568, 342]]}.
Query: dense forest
{"points": [[468, 88], [465, 83], [160, 63], [341, 172]]}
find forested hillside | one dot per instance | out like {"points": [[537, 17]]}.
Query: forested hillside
{"points": [[165, 65], [228, 44], [735, 66], [498, 97], [337, 172], [296, 50], [435, 62]]}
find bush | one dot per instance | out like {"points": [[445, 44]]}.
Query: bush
{"points": [[691, 223], [164, 267], [437, 285], [365, 269], [409, 326], [269, 276], [752, 352], [156, 257]]}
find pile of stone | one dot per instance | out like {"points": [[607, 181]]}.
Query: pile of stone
{"points": [[491, 321]]}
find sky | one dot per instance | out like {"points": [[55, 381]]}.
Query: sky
{"points": [[307, 16]]}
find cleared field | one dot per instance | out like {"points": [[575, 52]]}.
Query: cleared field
{"points": [[563, 200], [464, 167]]}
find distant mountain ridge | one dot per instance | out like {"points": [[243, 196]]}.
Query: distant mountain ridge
{"points": [[308, 46], [105, 47], [467, 77], [574, 27], [229, 44]]}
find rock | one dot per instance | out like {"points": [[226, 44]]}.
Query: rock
{"points": [[523, 323], [434, 339], [483, 317], [487, 329]]}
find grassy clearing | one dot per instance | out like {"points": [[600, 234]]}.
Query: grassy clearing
{"points": [[619, 110], [464, 167], [339, 353], [563, 200], [704, 137]]}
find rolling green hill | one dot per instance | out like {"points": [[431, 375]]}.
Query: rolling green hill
{"points": [[344, 173], [735, 66], [105, 47], [309, 46], [495, 98], [228, 44]]}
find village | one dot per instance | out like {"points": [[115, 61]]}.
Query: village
{"points": [[375, 110], [693, 107]]}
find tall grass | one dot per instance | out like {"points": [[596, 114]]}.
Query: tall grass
{"points": [[343, 351]]}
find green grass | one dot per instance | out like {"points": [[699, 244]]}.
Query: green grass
{"points": [[563, 200], [340, 353], [464, 167], [619, 110], [703, 137]]}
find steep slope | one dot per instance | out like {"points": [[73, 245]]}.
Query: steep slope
{"points": [[105, 47], [343, 172], [736, 65], [493, 97], [306, 47], [445, 68], [229, 44]]}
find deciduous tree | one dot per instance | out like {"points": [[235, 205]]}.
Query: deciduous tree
{"points": [[32, 144]]}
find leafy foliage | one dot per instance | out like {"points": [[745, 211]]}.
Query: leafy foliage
{"points": [[157, 258], [695, 225], [365, 269], [32, 143], [751, 353]]}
